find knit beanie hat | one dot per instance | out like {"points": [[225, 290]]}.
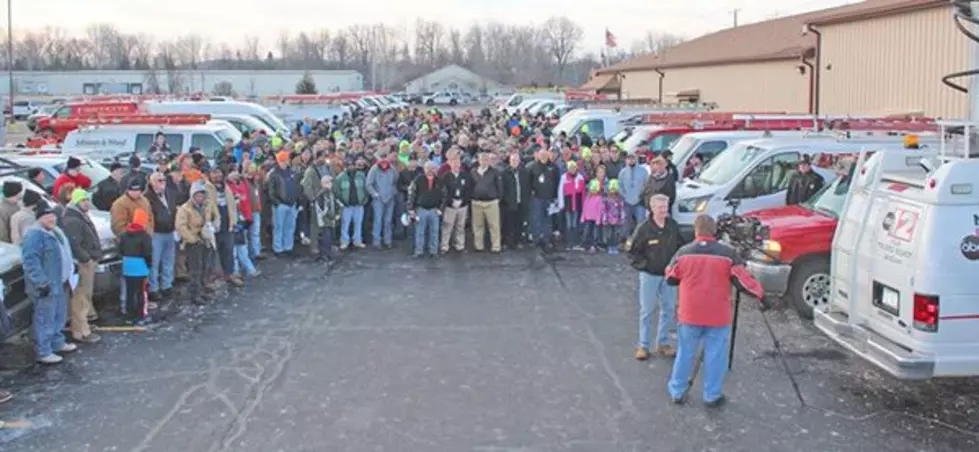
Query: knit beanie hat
{"points": [[613, 186], [140, 217], [77, 196], [594, 186], [74, 163], [31, 198], [11, 188], [197, 187]]}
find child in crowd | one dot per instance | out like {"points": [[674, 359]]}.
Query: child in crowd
{"points": [[136, 248], [243, 263], [591, 213], [613, 216], [573, 191], [327, 212]]}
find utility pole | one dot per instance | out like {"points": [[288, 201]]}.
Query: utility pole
{"points": [[734, 13], [10, 56]]}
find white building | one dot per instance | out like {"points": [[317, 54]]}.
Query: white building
{"points": [[453, 78], [244, 83]]}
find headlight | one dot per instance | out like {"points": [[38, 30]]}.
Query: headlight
{"points": [[770, 250], [695, 205], [108, 243]]}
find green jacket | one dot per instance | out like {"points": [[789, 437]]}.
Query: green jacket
{"points": [[341, 186]]}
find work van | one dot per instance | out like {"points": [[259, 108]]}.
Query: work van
{"points": [[599, 123], [710, 144], [757, 174], [516, 99], [246, 124], [111, 143], [218, 108], [904, 264]]}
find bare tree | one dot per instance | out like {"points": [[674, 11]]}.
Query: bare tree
{"points": [[361, 37], [456, 52], [285, 46], [102, 38], [251, 48], [475, 52], [654, 42], [340, 50], [561, 37], [428, 42]]}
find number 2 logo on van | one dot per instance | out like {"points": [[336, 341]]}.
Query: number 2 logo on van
{"points": [[905, 222]]}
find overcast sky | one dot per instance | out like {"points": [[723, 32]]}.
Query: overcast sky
{"points": [[230, 20]]}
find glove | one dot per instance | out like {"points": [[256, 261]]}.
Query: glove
{"points": [[43, 291]]}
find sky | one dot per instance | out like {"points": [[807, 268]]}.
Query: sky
{"points": [[229, 21]]}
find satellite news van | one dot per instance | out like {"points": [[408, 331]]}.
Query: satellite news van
{"points": [[905, 257]]}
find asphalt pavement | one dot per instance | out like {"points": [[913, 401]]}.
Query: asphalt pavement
{"points": [[508, 352]]}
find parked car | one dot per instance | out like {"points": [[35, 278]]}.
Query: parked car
{"points": [[53, 165], [23, 109], [45, 111], [443, 98], [14, 297]]}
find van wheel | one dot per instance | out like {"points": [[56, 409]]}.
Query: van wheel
{"points": [[453, 102], [809, 287], [430, 102]]}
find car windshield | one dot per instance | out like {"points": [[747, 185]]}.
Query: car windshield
{"points": [[228, 134], [638, 138], [96, 172], [728, 165], [682, 148], [623, 135], [829, 200]]}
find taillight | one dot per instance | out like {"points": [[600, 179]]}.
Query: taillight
{"points": [[926, 312]]}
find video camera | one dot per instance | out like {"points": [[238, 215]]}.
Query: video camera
{"points": [[742, 233]]}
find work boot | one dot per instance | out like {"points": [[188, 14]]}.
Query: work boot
{"points": [[236, 281], [665, 350], [640, 354]]}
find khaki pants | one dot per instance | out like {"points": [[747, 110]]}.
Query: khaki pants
{"points": [[454, 225], [486, 214], [180, 263], [80, 303]]}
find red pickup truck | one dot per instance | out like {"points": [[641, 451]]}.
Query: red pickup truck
{"points": [[796, 249]]}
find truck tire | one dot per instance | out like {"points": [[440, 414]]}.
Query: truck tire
{"points": [[809, 286]]}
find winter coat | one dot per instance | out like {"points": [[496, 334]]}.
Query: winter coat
{"points": [[594, 205], [106, 192], [311, 179], [163, 214], [573, 191], [80, 181], [136, 248], [242, 193], [23, 219], [86, 245], [381, 184], [612, 211], [211, 204], [43, 261], [631, 181], [122, 212], [283, 188], [341, 187], [7, 211], [326, 207], [191, 220]]}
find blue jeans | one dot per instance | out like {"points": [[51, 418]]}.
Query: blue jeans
{"points": [[284, 228], [255, 235], [654, 290], [572, 228], [428, 225], [164, 257], [540, 222], [47, 320], [383, 218], [634, 214], [242, 261], [714, 368], [355, 215], [594, 234]]}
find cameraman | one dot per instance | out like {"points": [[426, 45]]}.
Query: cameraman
{"points": [[651, 248], [704, 270]]}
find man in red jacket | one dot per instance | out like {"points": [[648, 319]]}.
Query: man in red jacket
{"points": [[73, 175], [704, 270]]}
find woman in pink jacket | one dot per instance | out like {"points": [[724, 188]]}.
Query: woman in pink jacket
{"points": [[573, 191]]}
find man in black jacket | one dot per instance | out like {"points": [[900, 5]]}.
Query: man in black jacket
{"points": [[86, 248], [458, 190], [487, 190], [516, 193], [651, 248], [110, 188], [426, 199], [164, 210], [660, 181], [284, 197], [543, 175], [804, 183]]}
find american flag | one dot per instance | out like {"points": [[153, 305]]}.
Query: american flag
{"points": [[609, 39]]}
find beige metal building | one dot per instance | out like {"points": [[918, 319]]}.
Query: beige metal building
{"points": [[874, 57], [888, 57]]}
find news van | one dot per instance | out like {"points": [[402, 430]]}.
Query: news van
{"points": [[219, 108], [111, 143], [905, 258], [757, 173]]}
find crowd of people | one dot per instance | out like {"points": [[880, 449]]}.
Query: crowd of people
{"points": [[427, 178]]}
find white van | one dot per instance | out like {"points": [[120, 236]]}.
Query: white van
{"points": [[710, 144], [215, 108], [246, 124], [905, 257], [601, 123], [109, 143], [518, 98], [757, 173]]}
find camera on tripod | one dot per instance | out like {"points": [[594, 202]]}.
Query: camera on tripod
{"points": [[742, 233]]}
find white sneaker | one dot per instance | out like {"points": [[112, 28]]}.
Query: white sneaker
{"points": [[50, 359], [67, 348]]}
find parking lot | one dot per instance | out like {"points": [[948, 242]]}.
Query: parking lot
{"points": [[482, 353]]}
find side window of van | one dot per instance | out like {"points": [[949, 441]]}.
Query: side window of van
{"points": [[710, 149], [596, 128], [208, 144], [63, 112], [770, 176], [145, 140]]}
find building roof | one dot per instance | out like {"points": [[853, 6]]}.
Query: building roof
{"points": [[447, 71], [601, 82], [772, 40], [871, 9]]}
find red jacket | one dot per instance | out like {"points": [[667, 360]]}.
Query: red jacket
{"points": [[704, 270], [243, 195], [80, 180]]}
